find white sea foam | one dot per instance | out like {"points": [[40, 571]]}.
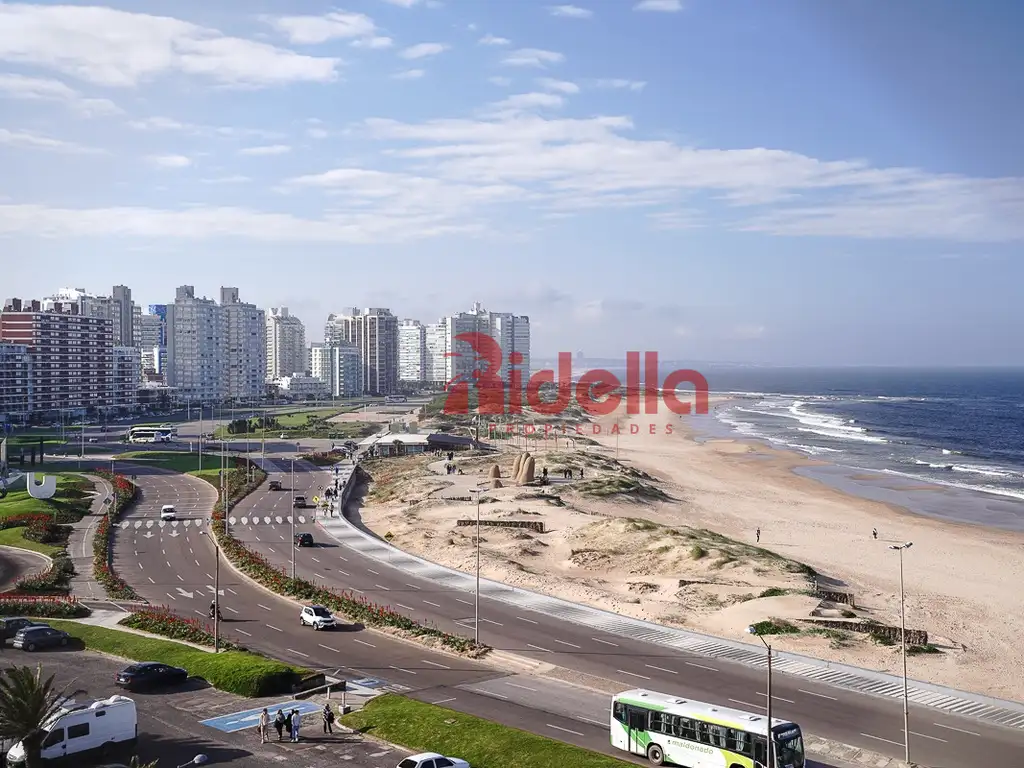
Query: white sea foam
{"points": [[829, 426], [995, 490]]}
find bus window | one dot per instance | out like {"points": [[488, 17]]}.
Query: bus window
{"points": [[657, 724], [717, 735], [637, 719], [687, 729], [760, 755], [738, 741], [619, 711], [703, 733]]}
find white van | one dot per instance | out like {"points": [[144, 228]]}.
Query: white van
{"points": [[93, 727]]}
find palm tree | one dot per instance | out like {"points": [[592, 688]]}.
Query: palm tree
{"points": [[27, 702], [136, 764]]}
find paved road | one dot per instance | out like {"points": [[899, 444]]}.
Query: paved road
{"points": [[869, 722], [170, 729], [17, 563]]}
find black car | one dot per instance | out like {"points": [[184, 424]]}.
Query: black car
{"points": [[304, 540], [275, 485], [36, 637], [9, 627], [149, 674]]}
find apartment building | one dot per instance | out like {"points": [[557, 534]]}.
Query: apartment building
{"points": [[151, 341], [71, 354], [125, 377], [337, 366], [15, 382], [246, 347], [412, 351], [447, 357], [118, 308], [197, 361], [374, 333], [123, 311], [286, 344], [436, 342]]}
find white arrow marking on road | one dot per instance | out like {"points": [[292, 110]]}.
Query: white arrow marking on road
{"points": [[302, 520], [186, 523], [231, 520], [138, 524], [149, 523], [212, 590], [174, 523], [148, 534], [183, 593], [288, 519], [277, 520], [174, 534], [266, 520], [162, 523], [125, 524]]}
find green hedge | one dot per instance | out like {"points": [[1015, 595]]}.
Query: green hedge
{"points": [[245, 674]]}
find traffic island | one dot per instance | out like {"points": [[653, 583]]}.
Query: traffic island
{"points": [[125, 493]]}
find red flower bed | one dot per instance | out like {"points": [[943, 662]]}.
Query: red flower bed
{"points": [[13, 604], [102, 569], [162, 621]]}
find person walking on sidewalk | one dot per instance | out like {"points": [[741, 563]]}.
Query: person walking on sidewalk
{"points": [[328, 715], [279, 725], [264, 725], [289, 726], [296, 724]]}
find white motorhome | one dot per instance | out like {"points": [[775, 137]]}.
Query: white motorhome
{"points": [[96, 727]]}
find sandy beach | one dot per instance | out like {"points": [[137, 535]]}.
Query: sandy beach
{"points": [[667, 533]]}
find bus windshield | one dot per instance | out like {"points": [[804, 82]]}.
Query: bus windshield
{"points": [[789, 748]]}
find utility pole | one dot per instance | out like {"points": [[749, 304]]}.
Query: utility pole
{"points": [[293, 517], [216, 598], [903, 642]]}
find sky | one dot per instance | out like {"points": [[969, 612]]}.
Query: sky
{"points": [[792, 183]]}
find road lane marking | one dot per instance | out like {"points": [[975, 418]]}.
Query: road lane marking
{"points": [[528, 621], [560, 642], [442, 701], [434, 664], [700, 666], [209, 577], [632, 674], [375, 573], [319, 576], [227, 608], [514, 685], [328, 648], [170, 595], [343, 573], [381, 586], [879, 738], [314, 559], [405, 606], [488, 693], [179, 576], [197, 564], [500, 624], [298, 653], [344, 559], [140, 566], [353, 589], [819, 695], [661, 669], [560, 728], [407, 671], [272, 550], [747, 704], [168, 563], [413, 586], [926, 736], [436, 605], [537, 647], [958, 730], [588, 720], [599, 640], [151, 580], [464, 602], [776, 698], [229, 589], [363, 642], [244, 632], [261, 605]]}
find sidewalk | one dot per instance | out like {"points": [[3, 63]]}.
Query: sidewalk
{"points": [[83, 586]]}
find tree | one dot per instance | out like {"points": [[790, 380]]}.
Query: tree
{"points": [[27, 702], [136, 763]]}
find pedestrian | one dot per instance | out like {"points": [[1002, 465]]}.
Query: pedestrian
{"points": [[581, 473], [279, 725], [328, 715], [296, 724], [289, 726], [757, 535], [264, 725], [874, 533]]}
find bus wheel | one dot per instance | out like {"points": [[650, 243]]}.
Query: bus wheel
{"points": [[655, 754]]}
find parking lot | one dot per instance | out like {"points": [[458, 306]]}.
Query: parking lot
{"points": [[171, 721]]}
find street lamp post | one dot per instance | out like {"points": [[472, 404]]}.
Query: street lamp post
{"points": [[476, 620], [903, 642], [768, 731], [292, 517]]}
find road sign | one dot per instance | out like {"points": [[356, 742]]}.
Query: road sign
{"points": [[316, 499], [239, 721]]}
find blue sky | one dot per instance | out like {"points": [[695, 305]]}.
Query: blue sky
{"points": [[788, 182]]}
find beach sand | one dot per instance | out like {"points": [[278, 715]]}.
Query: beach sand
{"points": [[664, 558]]}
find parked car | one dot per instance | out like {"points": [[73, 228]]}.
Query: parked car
{"points": [[149, 674], [9, 627], [432, 760], [37, 637], [304, 540], [275, 485], [317, 617], [78, 731], [168, 512], [283, 436], [299, 502]]}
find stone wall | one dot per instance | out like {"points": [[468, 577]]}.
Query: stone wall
{"points": [[914, 636], [534, 525], [834, 596]]}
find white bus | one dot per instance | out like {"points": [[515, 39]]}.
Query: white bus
{"points": [[672, 730], [149, 435], [396, 399]]}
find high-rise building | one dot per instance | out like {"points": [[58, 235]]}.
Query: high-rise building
{"points": [[151, 341], [118, 308], [126, 377], [337, 366], [71, 354], [449, 358], [123, 315], [436, 349], [374, 333], [246, 346], [197, 360], [286, 344], [412, 350], [15, 382]]}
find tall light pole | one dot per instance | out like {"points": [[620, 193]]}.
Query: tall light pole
{"points": [[771, 752], [216, 595], [293, 516], [903, 642], [200, 434], [476, 620]]}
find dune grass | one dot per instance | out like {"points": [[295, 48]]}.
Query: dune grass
{"points": [[483, 744], [239, 672]]}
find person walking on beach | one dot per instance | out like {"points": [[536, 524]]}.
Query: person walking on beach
{"points": [[874, 534], [264, 725], [757, 535], [279, 725], [328, 715], [296, 724]]}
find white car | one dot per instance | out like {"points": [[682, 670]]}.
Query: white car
{"points": [[168, 512], [317, 617], [432, 760]]}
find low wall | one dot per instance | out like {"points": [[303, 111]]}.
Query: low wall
{"points": [[534, 525], [835, 596], [914, 636]]}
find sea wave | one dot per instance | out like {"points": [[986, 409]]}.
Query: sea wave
{"points": [[995, 490]]}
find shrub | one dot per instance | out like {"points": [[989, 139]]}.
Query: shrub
{"points": [[47, 532], [882, 639], [12, 604], [915, 650], [56, 580], [102, 570], [697, 552], [775, 627], [774, 592], [161, 621]]}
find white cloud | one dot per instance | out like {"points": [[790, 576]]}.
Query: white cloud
{"points": [[622, 84], [422, 50], [492, 40], [271, 149], [160, 123], [26, 140], [402, 3], [527, 101], [311, 30], [562, 86], [570, 11], [121, 49], [373, 43], [409, 74], [317, 133], [236, 179], [170, 161], [45, 89], [533, 57], [504, 82], [666, 6]]}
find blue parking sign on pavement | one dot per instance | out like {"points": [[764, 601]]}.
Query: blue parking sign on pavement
{"points": [[250, 718]]}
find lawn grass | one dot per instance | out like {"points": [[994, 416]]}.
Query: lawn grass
{"points": [[483, 744], [239, 672], [15, 537], [179, 461], [296, 424], [73, 495]]}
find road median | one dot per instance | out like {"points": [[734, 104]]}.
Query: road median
{"points": [[125, 494]]}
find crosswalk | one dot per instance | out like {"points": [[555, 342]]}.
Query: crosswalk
{"points": [[199, 522]]}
